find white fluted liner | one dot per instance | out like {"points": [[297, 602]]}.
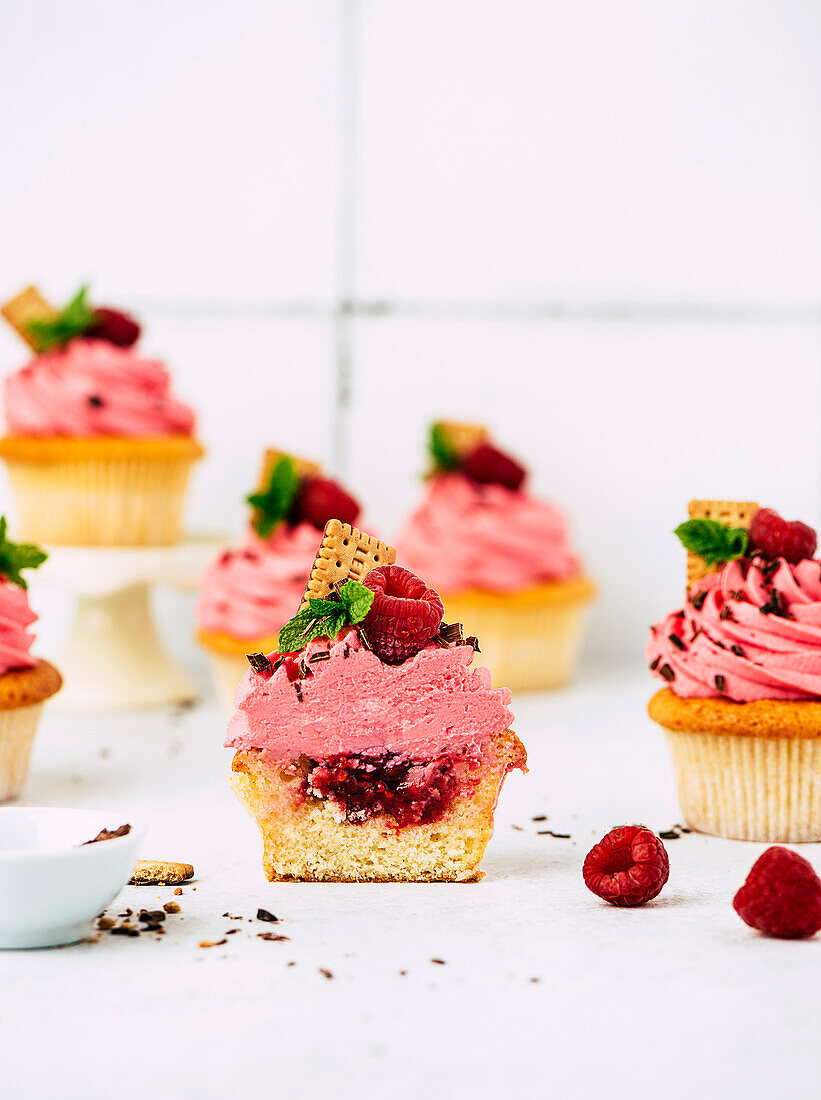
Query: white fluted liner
{"points": [[17, 729], [525, 648], [100, 503], [749, 788]]}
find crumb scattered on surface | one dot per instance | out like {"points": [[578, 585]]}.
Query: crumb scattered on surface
{"points": [[439, 962], [272, 937], [325, 973], [172, 906], [213, 943]]}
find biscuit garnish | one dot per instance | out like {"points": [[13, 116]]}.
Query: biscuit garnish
{"points": [[27, 306], [155, 873], [345, 553], [732, 513]]}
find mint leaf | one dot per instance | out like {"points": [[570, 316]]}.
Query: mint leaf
{"points": [[443, 455], [307, 625], [357, 600], [273, 502], [16, 556], [73, 320], [713, 541]]}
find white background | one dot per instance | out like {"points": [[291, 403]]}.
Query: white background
{"points": [[595, 225]]}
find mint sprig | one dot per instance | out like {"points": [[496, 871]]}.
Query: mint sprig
{"points": [[16, 556], [325, 618], [715, 542], [73, 320], [443, 455], [273, 503]]}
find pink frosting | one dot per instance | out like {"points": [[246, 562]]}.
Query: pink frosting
{"points": [[756, 635], [252, 591], [92, 388], [15, 617], [353, 703], [465, 535]]}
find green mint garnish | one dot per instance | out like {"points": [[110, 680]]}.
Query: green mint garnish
{"points": [[16, 556], [73, 320], [713, 541], [274, 501], [442, 454], [325, 618]]}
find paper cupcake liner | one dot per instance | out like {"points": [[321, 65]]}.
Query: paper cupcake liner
{"points": [[17, 729], [227, 669], [749, 788], [99, 502], [525, 647]]}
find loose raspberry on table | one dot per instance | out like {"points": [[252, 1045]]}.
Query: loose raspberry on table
{"points": [[320, 499], [114, 326], [775, 537], [404, 616], [627, 867], [490, 466], [782, 895]]}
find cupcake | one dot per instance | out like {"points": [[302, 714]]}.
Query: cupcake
{"points": [[741, 667], [98, 450], [502, 559], [251, 590], [367, 748], [25, 681]]}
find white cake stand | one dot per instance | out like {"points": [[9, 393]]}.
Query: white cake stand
{"points": [[113, 657]]}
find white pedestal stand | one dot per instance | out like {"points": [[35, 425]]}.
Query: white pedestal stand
{"points": [[113, 657]]}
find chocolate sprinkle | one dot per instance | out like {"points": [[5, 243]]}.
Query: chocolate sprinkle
{"points": [[775, 606], [259, 662], [739, 652], [677, 642], [698, 600], [95, 400], [666, 673], [721, 684]]}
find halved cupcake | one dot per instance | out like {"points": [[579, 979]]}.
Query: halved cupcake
{"points": [[25, 681], [741, 661], [252, 589], [367, 749], [98, 450], [501, 559]]}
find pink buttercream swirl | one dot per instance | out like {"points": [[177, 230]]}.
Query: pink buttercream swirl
{"points": [[92, 388], [15, 617], [253, 590], [351, 702], [752, 631], [465, 535]]}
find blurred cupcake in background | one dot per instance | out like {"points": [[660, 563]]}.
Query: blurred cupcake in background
{"points": [[98, 449], [25, 681], [251, 590], [501, 559]]}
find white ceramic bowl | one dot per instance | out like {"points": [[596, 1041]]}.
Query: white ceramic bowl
{"points": [[52, 886]]}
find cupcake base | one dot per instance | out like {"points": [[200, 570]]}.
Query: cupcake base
{"points": [[100, 492], [745, 771], [22, 695], [529, 640], [305, 841]]}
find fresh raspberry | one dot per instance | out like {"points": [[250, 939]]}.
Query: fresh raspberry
{"points": [[404, 616], [320, 499], [775, 537], [782, 895], [115, 326], [627, 867], [489, 466]]}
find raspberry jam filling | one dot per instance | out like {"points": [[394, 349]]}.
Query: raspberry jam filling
{"points": [[413, 792]]}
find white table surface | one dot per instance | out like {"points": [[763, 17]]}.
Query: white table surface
{"points": [[544, 989]]}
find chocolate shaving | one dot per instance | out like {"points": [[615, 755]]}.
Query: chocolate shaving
{"points": [[726, 613], [95, 400], [556, 836], [451, 632], [775, 606], [272, 937], [302, 669], [325, 973], [298, 690], [666, 673], [278, 663], [125, 930], [323, 656], [213, 943], [739, 652], [439, 962], [736, 594], [153, 916], [259, 662], [108, 834], [654, 664], [721, 684], [473, 642], [677, 642], [698, 599], [263, 914], [539, 817], [363, 637], [669, 834], [346, 652]]}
